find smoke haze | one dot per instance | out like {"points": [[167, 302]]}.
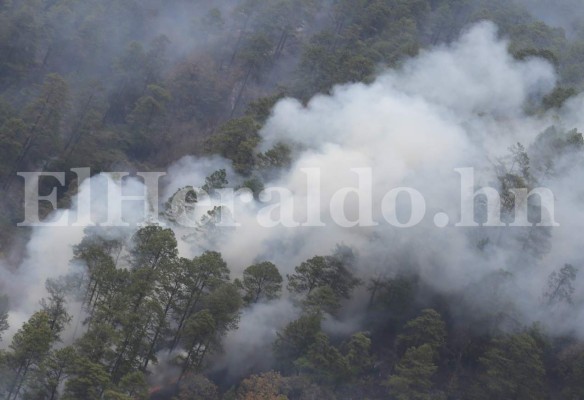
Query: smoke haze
{"points": [[453, 106]]}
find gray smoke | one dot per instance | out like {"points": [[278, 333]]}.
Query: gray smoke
{"points": [[565, 14], [456, 106]]}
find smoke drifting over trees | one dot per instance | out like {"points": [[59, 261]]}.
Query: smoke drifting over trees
{"points": [[297, 95]]}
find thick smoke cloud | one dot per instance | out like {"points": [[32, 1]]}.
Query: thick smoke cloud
{"points": [[455, 106], [452, 107]]}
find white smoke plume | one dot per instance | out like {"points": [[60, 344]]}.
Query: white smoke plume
{"points": [[456, 106]]}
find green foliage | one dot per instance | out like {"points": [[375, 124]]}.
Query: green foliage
{"points": [[29, 347], [558, 97], [52, 372], [322, 271], [309, 350], [19, 40], [199, 91], [427, 329], [146, 121], [55, 307], [255, 185], [134, 386], [11, 133], [551, 145], [321, 300], [217, 180], [572, 373], [3, 314], [525, 54], [256, 52], [156, 301], [364, 34], [396, 296], [323, 361], [42, 118], [295, 339], [224, 304], [261, 109], [413, 375], [236, 141], [32, 342], [261, 282], [278, 157], [97, 83], [514, 368], [198, 336], [153, 247], [357, 351], [201, 276], [90, 380]]}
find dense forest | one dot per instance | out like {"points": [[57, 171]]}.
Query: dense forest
{"points": [[245, 94]]}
